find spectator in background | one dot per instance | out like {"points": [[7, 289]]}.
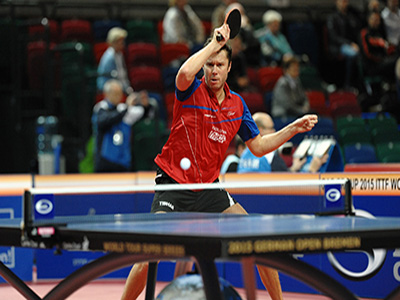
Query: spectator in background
{"points": [[380, 55], [343, 29], [112, 121], [238, 80], [112, 63], [231, 162], [182, 25], [251, 46], [218, 15], [374, 5], [274, 45], [289, 98], [272, 162], [391, 20]]}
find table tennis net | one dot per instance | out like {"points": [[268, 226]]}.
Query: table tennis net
{"points": [[120, 203]]}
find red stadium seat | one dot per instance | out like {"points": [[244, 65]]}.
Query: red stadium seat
{"points": [[38, 32], [76, 30], [254, 101], [142, 54], [146, 78], [346, 97], [99, 49], [175, 51], [317, 102], [252, 73], [37, 65], [343, 109], [268, 77]]}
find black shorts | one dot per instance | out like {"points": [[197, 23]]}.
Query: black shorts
{"points": [[215, 200]]}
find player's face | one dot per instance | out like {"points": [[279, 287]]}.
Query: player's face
{"points": [[216, 70]]}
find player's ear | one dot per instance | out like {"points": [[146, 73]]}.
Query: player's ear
{"points": [[229, 66]]}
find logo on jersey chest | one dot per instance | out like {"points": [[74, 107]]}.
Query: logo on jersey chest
{"points": [[217, 135]]}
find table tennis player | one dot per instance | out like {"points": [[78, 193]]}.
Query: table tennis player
{"points": [[207, 116]]}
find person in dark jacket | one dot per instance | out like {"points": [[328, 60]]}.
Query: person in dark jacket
{"points": [[380, 56], [112, 121], [343, 27]]}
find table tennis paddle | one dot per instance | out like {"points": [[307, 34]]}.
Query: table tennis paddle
{"points": [[234, 21]]}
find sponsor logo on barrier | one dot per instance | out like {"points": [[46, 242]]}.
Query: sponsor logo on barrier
{"points": [[375, 258], [333, 195], [44, 206], [7, 256]]}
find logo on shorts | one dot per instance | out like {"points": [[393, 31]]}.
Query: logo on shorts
{"points": [[167, 204]]}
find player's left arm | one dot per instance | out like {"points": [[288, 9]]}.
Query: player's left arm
{"points": [[261, 145]]}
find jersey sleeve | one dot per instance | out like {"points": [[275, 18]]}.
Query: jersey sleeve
{"points": [[248, 129], [184, 95]]}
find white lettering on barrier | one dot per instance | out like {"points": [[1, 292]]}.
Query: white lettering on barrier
{"points": [[396, 267], [396, 273]]}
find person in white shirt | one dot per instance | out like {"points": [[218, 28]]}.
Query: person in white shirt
{"points": [[182, 25], [391, 19]]}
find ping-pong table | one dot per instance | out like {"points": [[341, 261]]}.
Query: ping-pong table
{"points": [[262, 239]]}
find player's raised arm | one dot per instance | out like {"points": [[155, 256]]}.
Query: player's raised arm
{"points": [[193, 64], [261, 145]]}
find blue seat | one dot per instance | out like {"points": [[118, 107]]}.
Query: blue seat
{"points": [[360, 153], [168, 77], [101, 28], [324, 127]]}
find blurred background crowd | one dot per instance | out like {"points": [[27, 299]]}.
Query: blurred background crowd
{"points": [[82, 80]]}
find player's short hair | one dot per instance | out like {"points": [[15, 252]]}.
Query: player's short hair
{"points": [[271, 16], [227, 47], [115, 34]]}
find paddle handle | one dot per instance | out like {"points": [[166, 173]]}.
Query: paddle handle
{"points": [[219, 37]]}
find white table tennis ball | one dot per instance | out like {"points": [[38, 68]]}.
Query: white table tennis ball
{"points": [[185, 163]]}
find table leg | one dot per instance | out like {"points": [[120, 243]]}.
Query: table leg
{"points": [[308, 274], [151, 280], [210, 277], [17, 283]]}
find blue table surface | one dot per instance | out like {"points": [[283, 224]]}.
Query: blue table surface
{"points": [[222, 225]]}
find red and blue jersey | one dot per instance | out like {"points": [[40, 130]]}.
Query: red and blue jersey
{"points": [[202, 130]]}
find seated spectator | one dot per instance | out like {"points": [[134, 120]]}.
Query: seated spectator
{"points": [[272, 162], [289, 98], [380, 55], [343, 27], [231, 162], [391, 21], [373, 5], [112, 121], [112, 63], [274, 45], [182, 25], [238, 80], [218, 15]]}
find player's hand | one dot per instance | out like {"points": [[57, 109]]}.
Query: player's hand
{"points": [[225, 31], [306, 123]]}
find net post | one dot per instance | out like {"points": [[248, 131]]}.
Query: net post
{"points": [[348, 198], [27, 210]]}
